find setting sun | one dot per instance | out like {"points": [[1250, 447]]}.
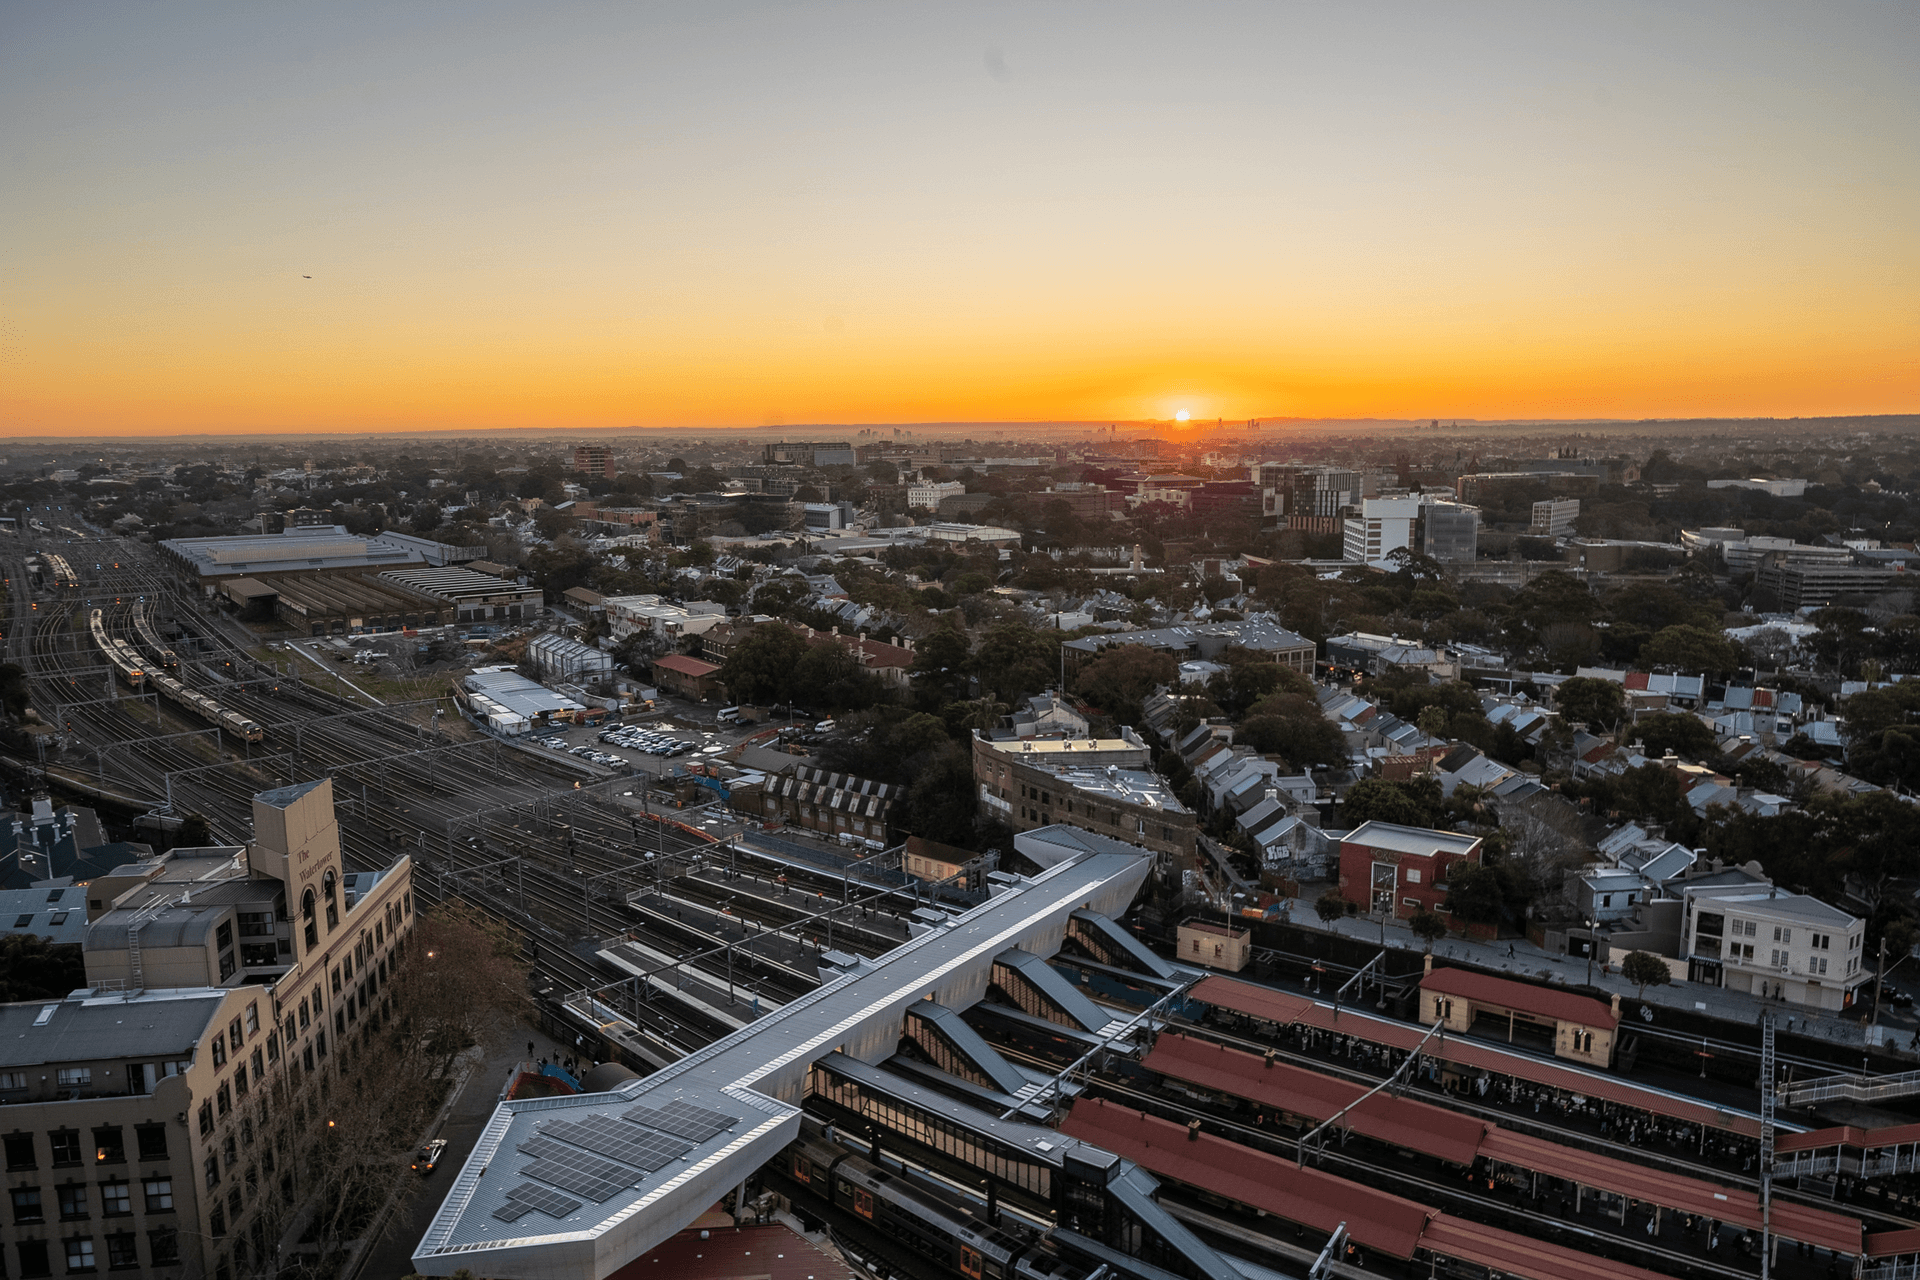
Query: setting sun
{"points": [[1181, 416]]}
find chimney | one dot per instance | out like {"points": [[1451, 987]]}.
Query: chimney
{"points": [[1193, 1131], [1616, 1004]]}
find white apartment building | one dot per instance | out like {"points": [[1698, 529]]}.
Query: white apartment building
{"points": [[927, 494], [1383, 526], [1553, 517], [662, 618], [1743, 934]]}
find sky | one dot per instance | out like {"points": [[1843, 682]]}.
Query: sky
{"points": [[417, 214]]}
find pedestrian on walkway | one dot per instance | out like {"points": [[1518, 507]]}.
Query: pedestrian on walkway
{"points": [[1509, 951]]}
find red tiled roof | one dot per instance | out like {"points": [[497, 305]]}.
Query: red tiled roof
{"points": [[1417, 1126], [1285, 1009], [1317, 1200], [1517, 1255], [1850, 1136], [685, 665], [773, 1252], [1504, 993]]}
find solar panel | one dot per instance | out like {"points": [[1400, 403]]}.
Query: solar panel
{"points": [[583, 1175], [537, 1146], [551, 1203], [511, 1210], [682, 1120], [629, 1144]]}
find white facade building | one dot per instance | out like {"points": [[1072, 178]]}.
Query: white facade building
{"points": [[1383, 526], [1744, 934], [927, 494]]}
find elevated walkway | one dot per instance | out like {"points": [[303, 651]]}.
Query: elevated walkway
{"points": [[957, 1048], [1114, 946], [1039, 989]]}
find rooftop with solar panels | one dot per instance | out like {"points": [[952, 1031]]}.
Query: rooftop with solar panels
{"points": [[581, 1185]]}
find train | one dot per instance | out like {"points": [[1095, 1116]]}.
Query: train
{"points": [[132, 668], [151, 639], [59, 572], [933, 1225], [118, 652]]}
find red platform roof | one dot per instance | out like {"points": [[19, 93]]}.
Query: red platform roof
{"points": [[1671, 1190], [1518, 1255], [1504, 993], [1286, 1009], [1892, 1244], [744, 1253], [1850, 1136], [1307, 1196], [1403, 1122]]}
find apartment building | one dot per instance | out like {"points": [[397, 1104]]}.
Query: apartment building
{"points": [[593, 460], [1744, 934], [1381, 527], [1104, 785], [150, 1117]]}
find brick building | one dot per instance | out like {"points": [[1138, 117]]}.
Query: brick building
{"points": [[1389, 869], [1103, 785]]}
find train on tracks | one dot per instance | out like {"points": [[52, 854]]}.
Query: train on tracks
{"points": [[59, 573], [933, 1226], [151, 640], [133, 669]]}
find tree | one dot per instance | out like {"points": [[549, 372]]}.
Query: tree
{"points": [[833, 678], [1477, 894], [1427, 927], [760, 667], [1330, 906], [1644, 969], [1687, 736], [1543, 842], [1120, 679], [1432, 721], [1685, 648], [1015, 661], [13, 687], [1597, 703], [33, 968], [1414, 803]]}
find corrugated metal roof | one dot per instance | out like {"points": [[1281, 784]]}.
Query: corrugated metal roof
{"points": [[152, 1024]]}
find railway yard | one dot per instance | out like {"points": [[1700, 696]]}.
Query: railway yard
{"points": [[1271, 1119]]}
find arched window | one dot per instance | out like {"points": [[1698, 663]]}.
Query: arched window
{"points": [[330, 888], [307, 918]]}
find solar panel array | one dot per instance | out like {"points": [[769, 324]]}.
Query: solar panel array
{"points": [[682, 1120], [627, 1143], [649, 1140], [582, 1174], [551, 1203]]}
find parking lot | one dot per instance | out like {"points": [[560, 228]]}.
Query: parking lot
{"points": [[671, 735]]}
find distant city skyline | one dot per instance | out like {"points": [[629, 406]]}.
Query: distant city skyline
{"points": [[354, 217]]}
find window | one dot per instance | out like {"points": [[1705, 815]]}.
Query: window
{"points": [[121, 1253], [109, 1147], [1413, 875], [159, 1193], [240, 1081], [75, 1077], [235, 1037], [212, 1167], [224, 1098], [27, 1206], [329, 888], [153, 1141], [217, 1222], [253, 1018], [273, 1046], [164, 1244], [73, 1202], [303, 1016], [20, 1152], [13, 1079], [1819, 967], [33, 1258], [1822, 941], [206, 1118], [223, 936], [79, 1254], [309, 927], [259, 1067], [66, 1146], [336, 979], [116, 1198], [219, 1052], [1775, 962]]}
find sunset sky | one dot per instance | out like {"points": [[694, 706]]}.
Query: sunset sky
{"points": [[712, 214]]}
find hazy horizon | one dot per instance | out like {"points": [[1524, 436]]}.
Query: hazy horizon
{"points": [[230, 220]]}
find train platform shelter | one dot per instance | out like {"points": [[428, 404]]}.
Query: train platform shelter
{"points": [[1578, 1027], [584, 1185], [1849, 1151], [1283, 1009], [1376, 1220], [1462, 1140]]}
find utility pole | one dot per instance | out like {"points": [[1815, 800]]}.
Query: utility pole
{"points": [[1880, 976]]}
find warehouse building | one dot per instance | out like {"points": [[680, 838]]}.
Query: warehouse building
{"points": [[338, 605], [557, 657], [475, 596], [308, 551]]}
